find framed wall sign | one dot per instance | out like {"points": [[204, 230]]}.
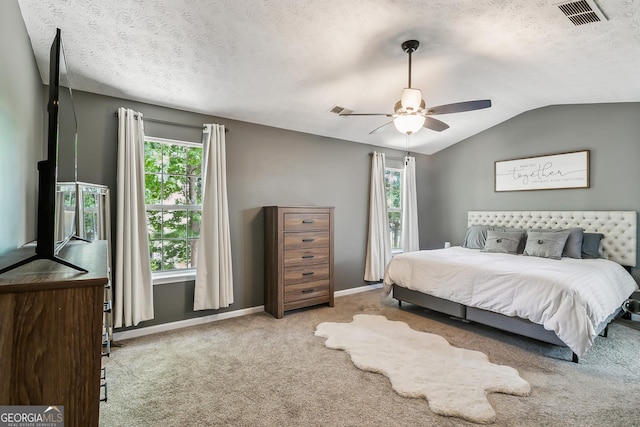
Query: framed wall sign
{"points": [[550, 172]]}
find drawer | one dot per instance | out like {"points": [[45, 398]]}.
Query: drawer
{"points": [[304, 240], [306, 256], [301, 274], [306, 221], [302, 291]]}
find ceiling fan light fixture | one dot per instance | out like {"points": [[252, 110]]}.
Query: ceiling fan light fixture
{"points": [[409, 123], [411, 99]]}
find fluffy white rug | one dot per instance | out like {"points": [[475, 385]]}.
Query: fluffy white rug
{"points": [[455, 381]]}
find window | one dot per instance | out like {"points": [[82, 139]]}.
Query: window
{"points": [[393, 190], [173, 198]]}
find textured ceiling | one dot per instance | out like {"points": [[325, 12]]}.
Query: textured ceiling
{"points": [[286, 63]]}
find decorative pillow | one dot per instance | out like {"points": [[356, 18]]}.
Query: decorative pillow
{"points": [[573, 246], [503, 241], [546, 244], [476, 237], [521, 230], [591, 245]]}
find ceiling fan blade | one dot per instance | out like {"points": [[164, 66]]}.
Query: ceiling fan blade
{"points": [[365, 114], [380, 128], [460, 107], [435, 124]]}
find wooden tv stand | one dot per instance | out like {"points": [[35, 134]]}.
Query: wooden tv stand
{"points": [[51, 319]]}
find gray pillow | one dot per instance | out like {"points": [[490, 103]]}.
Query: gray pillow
{"points": [[573, 246], [591, 245], [476, 237], [506, 242], [546, 244], [521, 230]]}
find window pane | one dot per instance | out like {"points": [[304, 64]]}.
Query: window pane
{"points": [[193, 226], [154, 224], [174, 254], [392, 183], [155, 250], [175, 159], [173, 191], [194, 190], [395, 229], [174, 224], [192, 252], [153, 189], [153, 157], [194, 161]]}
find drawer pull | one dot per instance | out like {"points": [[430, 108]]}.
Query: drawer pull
{"points": [[307, 273], [308, 240], [307, 291], [307, 256], [308, 221]]}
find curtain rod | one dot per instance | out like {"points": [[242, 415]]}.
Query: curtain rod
{"points": [[389, 157], [167, 122]]}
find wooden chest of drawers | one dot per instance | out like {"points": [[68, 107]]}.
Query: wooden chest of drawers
{"points": [[298, 250]]}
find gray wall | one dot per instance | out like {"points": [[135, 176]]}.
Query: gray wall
{"points": [[268, 166], [21, 124], [265, 166], [460, 178]]}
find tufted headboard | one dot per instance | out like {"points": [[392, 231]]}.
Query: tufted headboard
{"points": [[619, 227]]}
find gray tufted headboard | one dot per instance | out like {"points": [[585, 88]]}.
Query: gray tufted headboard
{"points": [[619, 227]]}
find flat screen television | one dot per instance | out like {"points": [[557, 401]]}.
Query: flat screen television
{"points": [[57, 204]]}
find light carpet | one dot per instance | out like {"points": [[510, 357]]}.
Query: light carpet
{"points": [[455, 381], [258, 371]]}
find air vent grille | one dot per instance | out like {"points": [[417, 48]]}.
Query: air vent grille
{"points": [[336, 109], [582, 12]]}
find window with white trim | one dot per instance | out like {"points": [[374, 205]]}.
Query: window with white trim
{"points": [[393, 191], [173, 198]]}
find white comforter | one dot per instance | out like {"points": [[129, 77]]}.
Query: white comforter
{"points": [[568, 296]]}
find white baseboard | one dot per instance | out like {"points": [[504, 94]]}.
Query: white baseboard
{"points": [[134, 333], [357, 290]]}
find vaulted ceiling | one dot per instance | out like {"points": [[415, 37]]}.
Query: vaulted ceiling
{"points": [[286, 63]]}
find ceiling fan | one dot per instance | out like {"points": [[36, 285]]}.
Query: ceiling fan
{"points": [[410, 114]]}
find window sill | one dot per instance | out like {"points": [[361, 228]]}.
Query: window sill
{"points": [[167, 277]]}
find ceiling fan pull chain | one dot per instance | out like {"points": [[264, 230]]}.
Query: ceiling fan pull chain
{"points": [[407, 148]]}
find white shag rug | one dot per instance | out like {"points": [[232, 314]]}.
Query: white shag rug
{"points": [[455, 381]]}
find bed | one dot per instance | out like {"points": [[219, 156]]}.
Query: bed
{"points": [[567, 301]]}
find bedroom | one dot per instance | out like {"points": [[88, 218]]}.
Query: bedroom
{"points": [[317, 170]]}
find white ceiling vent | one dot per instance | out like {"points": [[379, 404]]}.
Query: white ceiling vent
{"points": [[582, 11]]}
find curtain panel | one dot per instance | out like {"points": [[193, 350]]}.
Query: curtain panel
{"points": [[410, 234], [378, 242], [133, 284], [214, 274]]}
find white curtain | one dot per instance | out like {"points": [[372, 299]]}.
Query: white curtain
{"points": [[133, 283], [378, 244], [214, 278], [410, 235]]}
